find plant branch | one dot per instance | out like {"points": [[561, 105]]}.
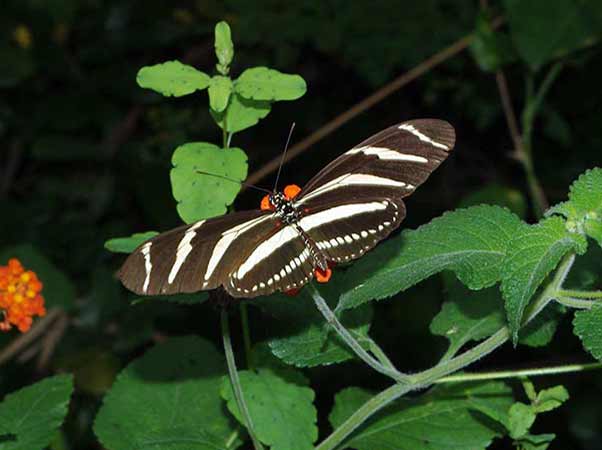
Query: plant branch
{"points": [[577, 303], [580, 294], [430, 376], [331, 318], [369, 102], [235, 380], [536, 372]]}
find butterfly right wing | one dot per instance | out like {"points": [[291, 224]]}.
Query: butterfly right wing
{"points": [[195, 257]]}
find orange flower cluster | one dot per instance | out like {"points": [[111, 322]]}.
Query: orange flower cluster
{"points": [[20, 297]]}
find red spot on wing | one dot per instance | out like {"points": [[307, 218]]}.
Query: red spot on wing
{"points": [[323, 276], [291, 191], [266, 205]]}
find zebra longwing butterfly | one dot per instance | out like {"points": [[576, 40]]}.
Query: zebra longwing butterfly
{"points": [[344, 211]]}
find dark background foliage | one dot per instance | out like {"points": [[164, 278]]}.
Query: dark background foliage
{"points": [[85, 156]]}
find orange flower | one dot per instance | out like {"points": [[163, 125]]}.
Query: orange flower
{"points": [[20, 297]]}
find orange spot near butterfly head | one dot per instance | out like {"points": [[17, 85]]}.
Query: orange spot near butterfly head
{"points": [[266, 205], [291, 191], [323, 276], [292, 292]]}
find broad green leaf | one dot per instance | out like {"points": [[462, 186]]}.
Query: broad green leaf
{"points": [[490, 48], [587, 324], [261, 83], [200, 196], [58, 290], [130, 243], [169, 399], [496, 194], [303, 337], [468, 316], [471, 242], [224, 48], [282, 412], [534, 252], [30, 417], [443, 419], [241, 114], [535, 441], [584, 207], [533, 22], [551, 398], [172, 78], [520, 419], [220, 89], [541, 330]]}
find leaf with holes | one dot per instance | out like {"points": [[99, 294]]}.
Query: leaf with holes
{"points": [[240, 114], [471, 242], [533, 253], [443, 419], [169, 399], [172, 78], [199, 195], [220, 89], [587, 324], [282, 411], [30, 417], [130, 243], [261, 83]]}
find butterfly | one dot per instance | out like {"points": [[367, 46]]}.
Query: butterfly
{"points": [[297, 234]]}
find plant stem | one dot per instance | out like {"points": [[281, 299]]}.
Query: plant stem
{"points": [[331, 318], [235, 380], [430, 376], [246, 333], [379, 353], [580, 294], [577, 303], [536, 372]]}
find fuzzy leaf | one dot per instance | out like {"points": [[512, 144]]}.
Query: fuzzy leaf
{"points": [[521, 418], [304, 339], [240, 114], [443, 419], [261, 83], [168, 399], [220, 89], [549, 399], [58, 289], [31, 416], [471, 242], [172, 78], [534, 252], [201, 196], [224, 48], [282, 412], [130, 243], [541, 330], [587, 324]]}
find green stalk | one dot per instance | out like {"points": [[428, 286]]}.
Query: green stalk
{"points": [[577, 303], [580, 294], [235, 380]]}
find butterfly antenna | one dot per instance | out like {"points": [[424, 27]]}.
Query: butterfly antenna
{"points": [[223, 177], [290, 133]]}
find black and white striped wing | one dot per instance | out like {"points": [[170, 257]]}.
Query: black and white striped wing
{"points": [[378, 173], [196, 257]]}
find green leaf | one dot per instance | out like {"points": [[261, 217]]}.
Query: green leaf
{"points": [[240, 114], [261, 83], [533, 22], [491, 49], [468, 316], [172, 78], [536, 441], [303, 337], [443, 419], [282, 412], [471, 242], [224, 48], [201, 196], [130, 243], [168, 399], [58, 290], [541, 330], [220, 89], [521, 418], [30, 417], [534, 252], [587, 324], [549, 399]]}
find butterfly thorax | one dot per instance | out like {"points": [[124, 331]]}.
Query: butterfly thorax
{"points": [[285, 210]]}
